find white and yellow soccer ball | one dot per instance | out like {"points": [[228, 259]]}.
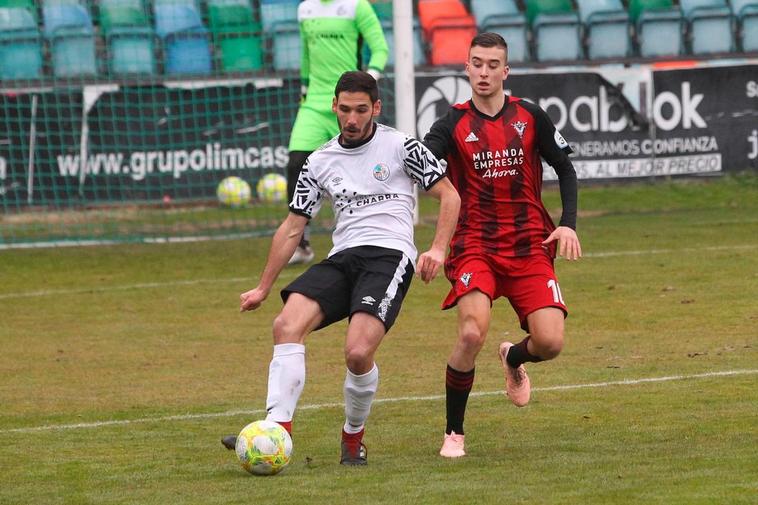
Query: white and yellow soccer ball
{"points": [[234, 192], [264, 448], [272, 188]]}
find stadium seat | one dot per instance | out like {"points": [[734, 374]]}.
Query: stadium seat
{"points": [[236, 34], [658, 27], [746, 13], [710, 25], [556, 28], [129, 39], [383, 10], [278, 12], [20, 45], [68, 29], [21, 4], [286, 45], [131, 50], [606, 24], [185, 39], [504, 18], [419, 56], [448, 28]]}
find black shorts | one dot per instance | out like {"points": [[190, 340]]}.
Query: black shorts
{"points": [[360, 279]]}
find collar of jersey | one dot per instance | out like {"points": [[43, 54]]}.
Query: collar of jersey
{"points": [[485, 116], [359, 144]]}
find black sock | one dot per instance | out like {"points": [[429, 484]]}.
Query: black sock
{"points": [[518, 355], [457, 386]]}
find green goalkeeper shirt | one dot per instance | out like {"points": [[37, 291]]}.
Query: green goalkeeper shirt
{"points": [[330, 31]]}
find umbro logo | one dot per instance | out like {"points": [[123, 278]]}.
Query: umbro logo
{"points": [[368, 300], [466, 278], [471, 138]]}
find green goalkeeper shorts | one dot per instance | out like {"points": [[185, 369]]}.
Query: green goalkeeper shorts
{"points": [[312, 129]]}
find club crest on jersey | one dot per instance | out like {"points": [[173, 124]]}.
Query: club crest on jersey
{"points": [[471, 138], [466, 278], [519, 126], [381, 172]]}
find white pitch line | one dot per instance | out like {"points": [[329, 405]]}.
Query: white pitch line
{"points": [[321, 406], [670, 251], [291, 273]]}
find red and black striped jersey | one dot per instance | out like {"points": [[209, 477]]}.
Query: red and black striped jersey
{"points": [[494, 163]]}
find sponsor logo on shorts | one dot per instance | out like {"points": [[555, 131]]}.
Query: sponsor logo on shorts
{"points": [[381, 172], [368, 300], [466, 278]]}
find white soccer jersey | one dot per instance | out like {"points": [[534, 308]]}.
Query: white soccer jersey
{"points": [[371, 189]]}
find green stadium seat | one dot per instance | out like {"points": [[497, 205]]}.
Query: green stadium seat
{"points": [[556, 28], [20, 45], [236, 34], [131, 51], [120, 13], [658, 27]]}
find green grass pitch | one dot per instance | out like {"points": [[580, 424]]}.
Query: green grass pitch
{"points": [[122, 366]]}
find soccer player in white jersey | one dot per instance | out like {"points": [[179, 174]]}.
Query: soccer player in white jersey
{"points": [[368, 172]]}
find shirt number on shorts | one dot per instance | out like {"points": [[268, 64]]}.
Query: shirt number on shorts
{"points": [[557, 296]]}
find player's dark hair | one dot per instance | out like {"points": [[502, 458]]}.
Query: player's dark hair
{"points": [[490, 39], [357, 81]]}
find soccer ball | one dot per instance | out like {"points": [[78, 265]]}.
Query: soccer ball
{"points": [[264, 448], [272, 188], [234, 192]]}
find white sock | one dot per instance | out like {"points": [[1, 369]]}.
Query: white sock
{"points": [[359, 393], [286, 379]]}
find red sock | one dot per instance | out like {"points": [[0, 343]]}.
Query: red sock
{"points": [[287, 425], [353, 440]]}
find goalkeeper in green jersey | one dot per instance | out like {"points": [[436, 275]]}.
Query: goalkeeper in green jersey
{"points": [[332, 33]]}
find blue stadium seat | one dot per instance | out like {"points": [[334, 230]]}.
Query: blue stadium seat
{"points": [[504, 18], [746, 13], [658, 27], [419, 57], [606, 25], [278, 12], [710, 25], [68, 29], [286, 45], [20, 45], [185, 39]]}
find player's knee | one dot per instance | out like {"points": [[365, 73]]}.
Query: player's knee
{"points": [[286, 331], [472, 338], [358, 358], [549, 346]]}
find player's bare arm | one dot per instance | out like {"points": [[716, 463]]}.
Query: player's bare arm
{"points": [[430, 262], [283, 244], [568, 242]]}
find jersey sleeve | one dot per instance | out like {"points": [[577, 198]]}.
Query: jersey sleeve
{"points": [[555, 150], [371, 30], [439, 139], [420, 164], [305, 58], [307, 198]]}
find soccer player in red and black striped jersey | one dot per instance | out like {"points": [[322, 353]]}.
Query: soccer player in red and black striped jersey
{"points": [[505, 241]]}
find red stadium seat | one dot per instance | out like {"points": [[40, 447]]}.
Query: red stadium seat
{"points": [[448, 28]]}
